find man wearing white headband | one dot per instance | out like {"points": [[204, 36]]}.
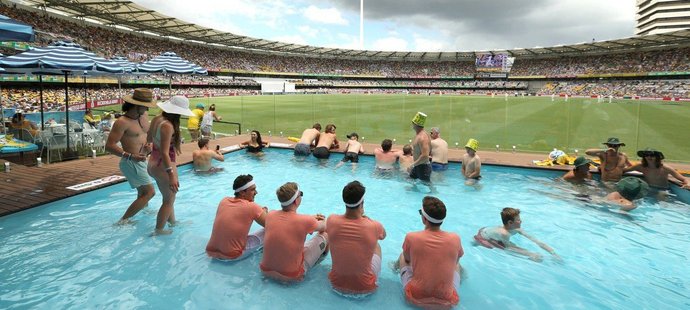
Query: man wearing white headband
{"points": [[234, 217], [286, 256], [429, 263], [355, 250]]}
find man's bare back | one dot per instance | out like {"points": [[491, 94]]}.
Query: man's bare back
{"points": [[309, 136], [203, 158], [328, 140]]}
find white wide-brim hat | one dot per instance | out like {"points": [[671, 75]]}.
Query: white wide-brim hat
{"points": [[176, 105]]}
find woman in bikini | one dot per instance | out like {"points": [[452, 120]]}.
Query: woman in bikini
{"points": [[164, 133], [255, 145]]}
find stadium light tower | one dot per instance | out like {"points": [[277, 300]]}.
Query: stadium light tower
{"points": [[361, 24]]}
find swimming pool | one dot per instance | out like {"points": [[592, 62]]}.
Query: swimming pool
{"points": [[68, 254]]}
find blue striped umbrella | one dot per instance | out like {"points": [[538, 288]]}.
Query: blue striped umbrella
{"points": [[57, 59], [170, 63], [63, 58], [128, 66], [12, 30]]}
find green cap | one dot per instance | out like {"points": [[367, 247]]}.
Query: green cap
{"points": [[581, 160]]}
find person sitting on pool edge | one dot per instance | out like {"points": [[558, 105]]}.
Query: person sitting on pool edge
{"points": [[355, 251], [627, 190], [327, 141], [202, 157], [471, 163], [580, 172], [230, 238], [287, 257], [352, 150], [655, 172], [430, 261], [499, 237]]}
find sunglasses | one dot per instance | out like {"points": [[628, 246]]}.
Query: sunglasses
{"points": [[420, 211], [301, 193], [614, 145]]}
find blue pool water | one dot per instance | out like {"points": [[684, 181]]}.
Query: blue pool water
{"points": [[68, 254]]}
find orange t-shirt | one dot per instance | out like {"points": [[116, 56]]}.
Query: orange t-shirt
{"points": [[352, 244], [434, 256], [284, 244], [234, 217]]}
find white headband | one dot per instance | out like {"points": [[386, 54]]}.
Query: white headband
{"points": [[294, 197], [429, 218], [245, 186], [354, 205]]}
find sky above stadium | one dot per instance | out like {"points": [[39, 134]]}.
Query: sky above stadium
{"points": [[413, 25]]}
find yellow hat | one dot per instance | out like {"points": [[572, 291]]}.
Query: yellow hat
{"points": [[419, 119], [473, 144]]}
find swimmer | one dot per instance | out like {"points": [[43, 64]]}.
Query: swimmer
{"points": [[580, 173], [203, 156], [627, 190], [499, 237], [471, 163], [406, 159]]}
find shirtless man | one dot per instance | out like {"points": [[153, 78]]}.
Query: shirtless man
{"points": [[385, 157], [326, 142], [471, 163], [130, 131], [581, 171], [203, 156], [439, 151], [612, 161], [655, 172], [421, 148], [310, 137]]}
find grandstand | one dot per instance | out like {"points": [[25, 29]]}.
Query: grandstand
{"points": [[653, 66]]}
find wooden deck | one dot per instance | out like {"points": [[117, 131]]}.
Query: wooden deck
{"points": [[27, 187]]}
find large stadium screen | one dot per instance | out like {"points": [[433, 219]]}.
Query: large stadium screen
{"points": [[491, 62]]}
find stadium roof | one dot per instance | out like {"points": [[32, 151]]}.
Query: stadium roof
{"points": [[130, 15]]}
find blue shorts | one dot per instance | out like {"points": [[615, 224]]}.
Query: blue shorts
{"points": [[302, 149], [135, 172], [439, 166]]}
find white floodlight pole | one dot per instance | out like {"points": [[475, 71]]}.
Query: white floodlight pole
{"points": [[361, 24]]}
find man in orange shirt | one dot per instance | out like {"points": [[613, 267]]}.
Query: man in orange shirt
{"points": [[429, 263], [229, 239], [286, 256], [354, 246]]}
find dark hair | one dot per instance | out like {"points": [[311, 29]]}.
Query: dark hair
{"points": [[330, 128], [258, 137], [657, 162], [386, 145], [240, 181], [353, 192], [212, 107], [16, 117], [435, 208], [175, 120], [407, 149], [126, 106], [202, 142], [317, 126], [509, 214]]}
